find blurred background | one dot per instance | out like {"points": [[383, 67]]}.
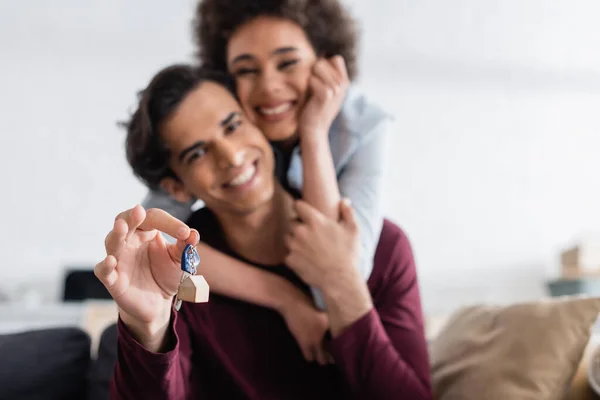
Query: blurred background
{"points": [[493, 169]]}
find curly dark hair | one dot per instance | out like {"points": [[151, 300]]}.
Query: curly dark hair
{"points": [[328, 25], [146, 152]]}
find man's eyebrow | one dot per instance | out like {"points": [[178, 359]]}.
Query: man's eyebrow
{"points": [[242, 57], [230, 117], [280, 50], [202, 143], [185, 152]]}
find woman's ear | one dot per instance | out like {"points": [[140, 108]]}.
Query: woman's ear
{"points": [[176, 189]]}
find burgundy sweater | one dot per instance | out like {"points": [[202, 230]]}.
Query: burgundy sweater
{"points": [[229, 349]]}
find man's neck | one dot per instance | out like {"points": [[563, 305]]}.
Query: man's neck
{"points": [[260, 236]]}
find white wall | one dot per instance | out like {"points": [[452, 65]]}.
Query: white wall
{"points": [[493, 168]]}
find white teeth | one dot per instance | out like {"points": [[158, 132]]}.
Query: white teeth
{"points": [[276, 110], [244, 177]]}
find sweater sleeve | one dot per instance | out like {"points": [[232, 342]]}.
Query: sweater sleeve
{"points": [[361, 180], [384, 354], [141, 374]]}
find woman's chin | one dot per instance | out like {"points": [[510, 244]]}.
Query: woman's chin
{"points": [[283, 133]]}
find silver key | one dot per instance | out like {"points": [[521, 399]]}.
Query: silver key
{"points": [[177, 300]]}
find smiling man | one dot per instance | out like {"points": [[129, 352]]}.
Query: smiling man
{"points": [[190, 136]]}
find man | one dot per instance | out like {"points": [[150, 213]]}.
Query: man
{"points": [[192, 138]]}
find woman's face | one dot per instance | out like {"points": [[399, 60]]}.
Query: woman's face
{"points": [[271, 60]]}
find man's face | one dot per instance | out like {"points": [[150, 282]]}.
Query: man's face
{"points": [[219, 156]]}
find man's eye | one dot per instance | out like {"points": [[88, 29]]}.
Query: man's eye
{"points": [[198, 153], [245, 71], [232, 127]]}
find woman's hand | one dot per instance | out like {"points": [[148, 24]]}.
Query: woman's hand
{"points": [[327, 89], [324, 253], [321, 249], [308, 326]]}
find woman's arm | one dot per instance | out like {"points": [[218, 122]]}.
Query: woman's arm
{"points": [[233, 278], [361, 181], [229, 276], [361, 177], [327, 87], [320, 186]]}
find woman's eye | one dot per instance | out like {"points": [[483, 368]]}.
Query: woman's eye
{"points": [[288, 63]]}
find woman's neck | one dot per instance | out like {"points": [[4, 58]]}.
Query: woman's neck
{"points": [[286, 146], [260, 235]]}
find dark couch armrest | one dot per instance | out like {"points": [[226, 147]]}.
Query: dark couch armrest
{"points": [[45, 364]]}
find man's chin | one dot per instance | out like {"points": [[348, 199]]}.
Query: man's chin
{"points": [[247, 205]]}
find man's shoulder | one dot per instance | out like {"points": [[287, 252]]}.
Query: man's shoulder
{"points": [[208, 226], [200, 216], [392, 238], [393, 257]]}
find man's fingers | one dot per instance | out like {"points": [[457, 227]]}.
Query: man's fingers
{"points": [[136, 218], [124, 215], [133, 218], [176, 249], [116, 238], [106, 271], [165, 222], [193, 239]]}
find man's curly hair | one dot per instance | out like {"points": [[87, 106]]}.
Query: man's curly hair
{"points": [[329, 27]]}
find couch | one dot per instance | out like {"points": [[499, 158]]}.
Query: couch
{"points": [[77, 362]]}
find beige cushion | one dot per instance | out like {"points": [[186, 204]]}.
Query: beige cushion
{"points": [[523, 351]]}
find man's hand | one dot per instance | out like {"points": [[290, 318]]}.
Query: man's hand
{"points": [[142, 271], [308, 326], [327, 89], [324, 253]]}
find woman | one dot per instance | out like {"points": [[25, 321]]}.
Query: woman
{"points": [[292, 62]]}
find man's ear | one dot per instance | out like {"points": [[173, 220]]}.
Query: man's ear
{"points": [[176, 189]]}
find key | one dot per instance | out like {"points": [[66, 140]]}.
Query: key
{"points": [[189, 265], [178, 301]]}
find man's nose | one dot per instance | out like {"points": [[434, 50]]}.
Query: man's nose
{"points": [[228, 154]]}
